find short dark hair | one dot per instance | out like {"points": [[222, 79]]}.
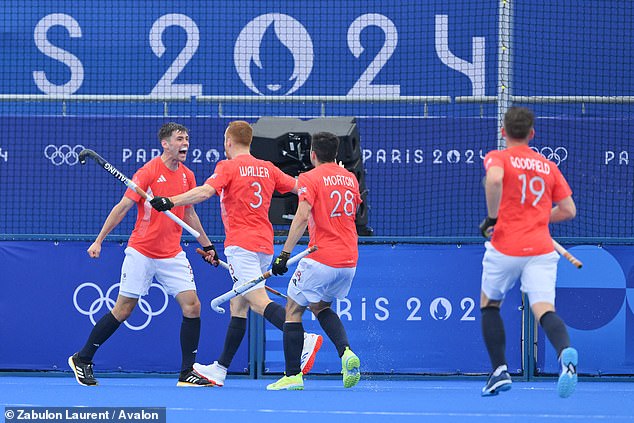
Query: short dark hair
{"points": [[325, 145], [167, 129], [518, 122]]}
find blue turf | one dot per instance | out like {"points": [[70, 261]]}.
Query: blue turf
{"points": [[327, 400]]}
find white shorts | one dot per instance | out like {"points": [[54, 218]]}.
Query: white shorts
{"points": [[174, 274], [245, 265], [537, 275], [313, 282]]}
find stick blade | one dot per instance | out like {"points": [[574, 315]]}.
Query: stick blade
{"points": [[85, 153]]}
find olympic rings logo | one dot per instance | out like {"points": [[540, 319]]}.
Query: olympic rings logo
{"points": [[102, 299], [556, 155], [64, 154]]}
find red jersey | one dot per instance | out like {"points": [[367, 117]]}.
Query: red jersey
{"points": [[245, 186], [530, 186], [155, 235], [333, 193]]}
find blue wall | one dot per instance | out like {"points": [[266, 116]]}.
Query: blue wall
{"points": [[426, 183], [413, 309]]}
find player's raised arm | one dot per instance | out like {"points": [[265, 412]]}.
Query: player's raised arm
{"points": [[193, 196]]}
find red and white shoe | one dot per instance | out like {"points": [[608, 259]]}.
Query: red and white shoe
{"points": [[214, 373], [312, 344]]}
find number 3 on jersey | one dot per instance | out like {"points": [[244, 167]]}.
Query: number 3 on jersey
{"points": [[535, 185], [348, 203], [257, 194]]}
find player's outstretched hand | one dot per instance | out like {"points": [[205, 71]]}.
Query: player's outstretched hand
{"points": [[161, 203], [486, 227], [213, 253], [279, 265]]}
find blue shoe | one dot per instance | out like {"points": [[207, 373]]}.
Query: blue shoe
{"points": [[497, 383], [568, 378]]}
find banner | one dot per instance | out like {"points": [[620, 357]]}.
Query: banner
{"points": [[53, 294], [286, 47], [425, 185], [597, 305], [412, 309]]}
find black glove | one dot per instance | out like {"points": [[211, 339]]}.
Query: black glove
{"points": [[486, 227], [161, 203], [279, 265], [214, 259]]}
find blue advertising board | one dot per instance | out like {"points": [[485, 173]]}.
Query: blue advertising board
{"points": [[53, 294], [426, 183], [307, 48], [412, 309], [597, 305], [251, 48]]}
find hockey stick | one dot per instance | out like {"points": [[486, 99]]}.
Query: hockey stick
{"points": [[130, 184], [247, 285], [226, 266], [572, 259]]}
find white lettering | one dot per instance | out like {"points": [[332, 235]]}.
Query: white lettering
{"points": [[141, 155], [137, 415], [474, 71], [363, 308], [258, 172], [366, 154], [345, 311], [378, 304], [56, 53], [380, 156], [624, 158], [338, 180], [525, 163], [87, 415], [38, 415]]}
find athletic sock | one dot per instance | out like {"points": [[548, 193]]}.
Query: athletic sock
{"points": [[104, 328], [235, 333], [494, 336], [275, 314], [331, 324], [190, 335], [293, 343], [555, 331]]}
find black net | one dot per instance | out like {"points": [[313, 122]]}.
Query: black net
{"points": [[419, 83]]}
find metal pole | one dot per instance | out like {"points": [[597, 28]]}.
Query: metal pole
{"points": [[504, 65]]}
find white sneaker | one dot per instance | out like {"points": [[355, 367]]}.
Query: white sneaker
{"points": [[214, 373], [312, 344]]}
